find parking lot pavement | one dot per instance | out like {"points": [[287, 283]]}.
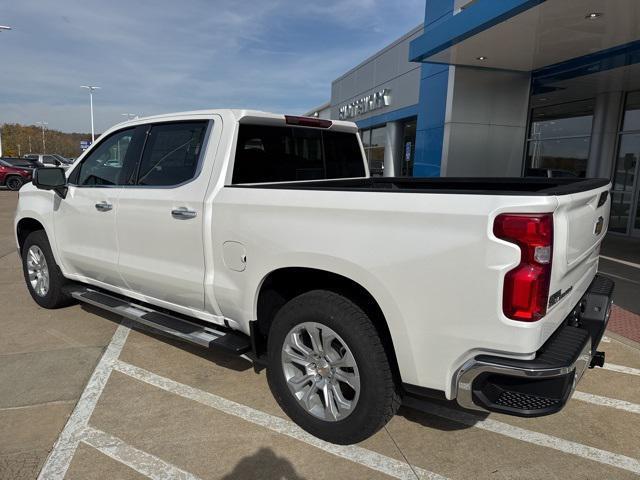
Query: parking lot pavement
{"points": [[8, 202], [119, 402], [46, 358]]}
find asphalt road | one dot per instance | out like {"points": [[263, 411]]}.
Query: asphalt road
{"points": [[124, 403]]}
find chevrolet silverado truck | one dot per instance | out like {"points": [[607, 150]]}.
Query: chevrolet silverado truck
{"points": [[264, 235]]}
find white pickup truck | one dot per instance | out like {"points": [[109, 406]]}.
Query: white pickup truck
{"points": [[264, 235]]}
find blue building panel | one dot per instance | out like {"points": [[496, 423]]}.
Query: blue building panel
{"points": [[433, 100], [431, 69], [436, 10], [429, 144]]}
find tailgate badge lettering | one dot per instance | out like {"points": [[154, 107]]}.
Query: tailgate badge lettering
{"points": [[599, 225], [559, 295]]}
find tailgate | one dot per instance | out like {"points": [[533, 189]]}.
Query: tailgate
{"points": [[580, 223]]}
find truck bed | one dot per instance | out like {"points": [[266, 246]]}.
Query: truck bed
{"points": [[470, 186]]}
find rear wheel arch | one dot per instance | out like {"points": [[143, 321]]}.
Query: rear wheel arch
{"points": [[284, 284]]}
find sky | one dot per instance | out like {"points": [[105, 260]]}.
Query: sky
{"points": [[161, 56]]}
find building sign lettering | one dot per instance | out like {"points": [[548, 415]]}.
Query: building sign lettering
{"points": [[365, 104]]}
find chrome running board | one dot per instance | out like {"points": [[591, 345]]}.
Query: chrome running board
{"points": [[165, 323]]}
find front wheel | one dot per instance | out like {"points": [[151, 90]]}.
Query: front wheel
{"points": [[14, 183], [41, 274], [328, 369]]}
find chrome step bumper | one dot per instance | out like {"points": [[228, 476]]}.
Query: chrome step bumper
{"points": [[543, 385]]}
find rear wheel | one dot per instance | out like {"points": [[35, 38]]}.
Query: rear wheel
{"points": [[328, 369], [41, 273], [14, 182]]}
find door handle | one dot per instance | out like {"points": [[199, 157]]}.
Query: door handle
{"points": [[103, 206], [183, 213]]}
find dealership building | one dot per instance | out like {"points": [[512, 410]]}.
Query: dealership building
{"points": [[506, 88]]}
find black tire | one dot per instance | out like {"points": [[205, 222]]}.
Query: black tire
{"points": [[55, 297], [378, 398], [14, 182]]}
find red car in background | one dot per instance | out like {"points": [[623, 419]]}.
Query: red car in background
{"points": [[14, 177]]}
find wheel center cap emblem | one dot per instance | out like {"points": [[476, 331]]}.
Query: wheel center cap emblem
{"points": [[324, 370]]}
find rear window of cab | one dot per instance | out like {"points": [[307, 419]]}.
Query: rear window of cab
{"points": [[267, 154]]}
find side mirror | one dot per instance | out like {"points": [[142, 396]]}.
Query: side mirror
{"points": [[47, 178]]}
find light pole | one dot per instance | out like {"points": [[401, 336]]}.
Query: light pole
{"points": [[44, 148], [91, 88], [4, 27]]}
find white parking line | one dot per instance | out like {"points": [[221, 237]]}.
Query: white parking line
{"points": [[542, 439], [60, 457], [607, 402], [142, 462], [624, 262], [362, 456], [621, 369], [77, 428], [609, 274]]}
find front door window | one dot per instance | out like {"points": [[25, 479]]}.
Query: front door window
{"points": [[103, 167]]}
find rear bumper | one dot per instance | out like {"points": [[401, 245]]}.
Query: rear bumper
{"points": [[543, 385]]}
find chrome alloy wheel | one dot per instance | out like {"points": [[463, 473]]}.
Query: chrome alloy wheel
{"points": [[320, 371], [38, 271]]}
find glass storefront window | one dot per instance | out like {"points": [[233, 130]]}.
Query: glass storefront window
{"points": [[625, 197], [632, 112], [366, 140], [559, 140], [626, 164], [373, 141], [376, 150], [408, 148], [564, 120], [620, 211], [563, 157]]}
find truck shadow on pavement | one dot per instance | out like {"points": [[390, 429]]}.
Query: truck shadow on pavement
{"points": [[263, 465], [422, 416]]}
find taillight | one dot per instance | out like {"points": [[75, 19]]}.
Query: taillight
{"points": [[526, 287]]}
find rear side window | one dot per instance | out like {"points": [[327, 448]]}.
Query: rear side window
{"points": [[171, 153], [285, 154]]}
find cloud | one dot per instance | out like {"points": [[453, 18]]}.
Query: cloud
{"points": [[159, 56]]}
